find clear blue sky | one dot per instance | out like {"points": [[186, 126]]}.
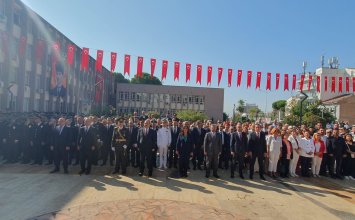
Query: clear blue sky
{"points": [[268, 36]]}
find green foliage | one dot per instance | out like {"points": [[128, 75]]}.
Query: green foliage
{"points": [[238, 118], [225, 116], [154, 114], [241, 106], [119, 78], [190, 115], [146, 79], [253, 113], [279, 105]]}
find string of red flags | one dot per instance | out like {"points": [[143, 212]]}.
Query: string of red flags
{"points": [[291, 82]]}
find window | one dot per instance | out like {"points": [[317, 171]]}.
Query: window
{"points": [[46, 105], [138, 97], [26, 104], [197, 99], [126, 96], [37, 82], [27, 78], [133, 96], [202, 100], [13, 74], [178, 99], [36, 105], [29, 52], [17, 17], [173, 98]]}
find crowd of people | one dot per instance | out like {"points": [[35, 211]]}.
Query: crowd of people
{"points": [[276, 149]]}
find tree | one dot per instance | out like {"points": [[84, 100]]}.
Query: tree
{"points": [[253, 113], [119, 78], [225, 116], [241, 106], [279, 105], [146, 79], [153, 114], [190, 115]]}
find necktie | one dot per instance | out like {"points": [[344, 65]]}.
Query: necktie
{"points": [[222, 138], [297, 142]]}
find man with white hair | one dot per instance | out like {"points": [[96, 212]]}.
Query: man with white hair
{"points": [[163, 142]]}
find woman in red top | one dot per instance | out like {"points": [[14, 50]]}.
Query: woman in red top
{"points": [[318, 154]]}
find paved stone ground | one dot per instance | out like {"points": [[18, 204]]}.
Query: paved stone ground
{"points": [[30, 192]]}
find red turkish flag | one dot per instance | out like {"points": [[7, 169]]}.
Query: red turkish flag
{"points": [[85, 59], [268, 81], [164, 71], [113, 61], [258, 79], [340, 84], [294, 79], [249, 78], [220, 71], [333, 84], [140, 67], [285, 82], [326, 83], [347, 85], [277, 81], [230, 75], [199, 74], [239, 80], [176, 70], [152, 66], [5, 43], [209, 75], [40, 45], [70, 54], [302, 82], [127, 64], [22, 48], [99, 58], [353, 84], [310, 79], [188, 71], [318, 83]]}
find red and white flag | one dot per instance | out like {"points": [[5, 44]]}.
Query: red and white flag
{"points": [[333, 84], [85, 59], [230, 76], [113, 61], [347, 85], [340, 84], [152, 67], [294, 79], [127, 64], [220, 72], [285, 82], [70, 54], [258, 80], [326, 83], [277, 81], [164, 71], [268, 81], [318, 83], [249, 76], [140, 67], [188, 72], [99, 58], [310, 79], [176, 70], [209, 75], [302, 82], [199, 74], [239, 79], [353, 84]]}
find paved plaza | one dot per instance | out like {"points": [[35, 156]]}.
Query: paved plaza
{"points": [[30, 192]]}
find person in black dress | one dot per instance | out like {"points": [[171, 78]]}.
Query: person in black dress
{"points": [[184, 149]]}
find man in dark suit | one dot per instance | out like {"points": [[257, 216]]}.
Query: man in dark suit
{"points": [[257, 149], [336, 148], [226, 140], [212, 149], [199, 135], [59, 89], [39, 140], [132, 143], [238, 148], [147, 140], [61, 146], [86, 146], [107, 131], [175, 131]]}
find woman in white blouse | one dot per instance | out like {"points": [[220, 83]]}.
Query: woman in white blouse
{"points": [[307, 153], [295, 142], [274, 144]]}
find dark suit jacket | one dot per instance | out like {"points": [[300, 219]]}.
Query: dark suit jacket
{"points": [[132, 137], [86, 139], [106, 135], [239, 146], [336, 146], [61, 140], [174, 136], [199, 138], [184, 148], [146, 143], [227, 141], [61, 93], [213, 145], [257, 145], [284, 150]]}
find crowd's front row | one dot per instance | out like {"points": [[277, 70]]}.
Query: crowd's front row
{"points": [[280, 150]]}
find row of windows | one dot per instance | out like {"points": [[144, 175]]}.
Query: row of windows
{"points": [[167, 98]]}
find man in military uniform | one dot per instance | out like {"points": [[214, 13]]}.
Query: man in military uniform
{"points": [[120, 146]]}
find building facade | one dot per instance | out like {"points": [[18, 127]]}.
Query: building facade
{"points": [[25, 80], [169, 99]]}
